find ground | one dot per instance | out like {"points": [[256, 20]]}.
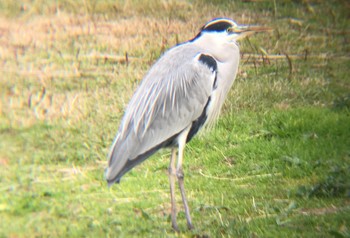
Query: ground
{"points": [[275, 165]]}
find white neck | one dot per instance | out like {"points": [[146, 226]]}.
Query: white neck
{"points": [[227, 54], [218, 45]]}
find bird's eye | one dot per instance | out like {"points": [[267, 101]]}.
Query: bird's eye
{"points": [[229, 30]]}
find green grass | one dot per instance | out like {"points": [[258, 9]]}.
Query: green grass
{"points": [[275, 165]]}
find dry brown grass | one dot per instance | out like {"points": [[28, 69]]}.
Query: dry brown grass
{"points": [[40, 50]]}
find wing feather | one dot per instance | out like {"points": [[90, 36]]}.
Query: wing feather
{"points": [[170, 98]]}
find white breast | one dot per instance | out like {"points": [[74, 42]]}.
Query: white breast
{"points": [[227, 71]]}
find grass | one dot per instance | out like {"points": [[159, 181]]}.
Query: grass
{"points": [[275, 165]]}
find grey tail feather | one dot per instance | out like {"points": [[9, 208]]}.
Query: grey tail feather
{"points": [[131, 163], [112, 181]]}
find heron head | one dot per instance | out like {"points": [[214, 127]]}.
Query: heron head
{"points": [[230, 30]]}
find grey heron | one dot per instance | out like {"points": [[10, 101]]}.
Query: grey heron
{"points": [[183, 91]]}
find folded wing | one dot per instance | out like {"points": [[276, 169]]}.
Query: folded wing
{"points": [[168, 100]]}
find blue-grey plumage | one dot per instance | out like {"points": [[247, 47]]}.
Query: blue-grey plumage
{"points": [[167, 101], [184, 90]]}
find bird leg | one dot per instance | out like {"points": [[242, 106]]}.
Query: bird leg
{"points": [[180, 177], [172, 178]]}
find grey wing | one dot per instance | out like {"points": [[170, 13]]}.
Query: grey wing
{"points": [[167, 102]]}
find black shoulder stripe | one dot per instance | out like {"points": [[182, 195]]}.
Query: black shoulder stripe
{"points": [[198, 123], [209, 61]]}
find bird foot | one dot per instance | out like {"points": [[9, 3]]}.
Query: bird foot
{"points": [[190, 226], [175, 228]]}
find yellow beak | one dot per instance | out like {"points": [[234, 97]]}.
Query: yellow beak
{"points": [[244, 31]]}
